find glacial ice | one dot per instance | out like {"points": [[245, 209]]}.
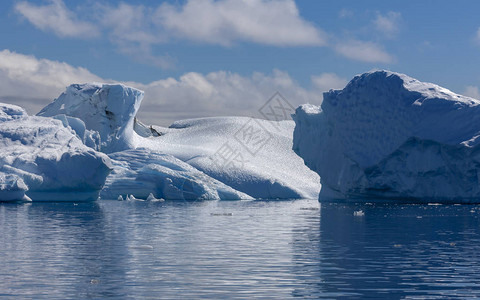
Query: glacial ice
{"points": [[186, 161], [388, 135], [43, 160]]}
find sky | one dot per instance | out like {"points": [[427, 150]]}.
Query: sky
{"points": [[197, 58]]}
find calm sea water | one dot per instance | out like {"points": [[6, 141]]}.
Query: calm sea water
{"points": [[287, 249]]}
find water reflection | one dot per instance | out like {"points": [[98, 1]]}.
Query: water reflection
{"points": [[184, 250], [392, 251]]}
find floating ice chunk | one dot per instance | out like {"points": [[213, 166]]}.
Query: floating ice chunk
{"points": [[359, 213]]}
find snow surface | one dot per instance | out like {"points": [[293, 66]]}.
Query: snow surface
{"points": [[267, 170], [146, 173], [44, 160], [212, 158], [391, 136]]}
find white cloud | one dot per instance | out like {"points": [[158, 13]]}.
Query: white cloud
{"points": [[130, 29], [57, 18], [136, 29], [218, 94], [224, 22], [388, 24], [32, 77], [472, 91], [33, 83], [327, 81], [363, 51]]}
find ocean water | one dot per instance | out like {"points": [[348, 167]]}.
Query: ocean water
{"points": [[245, 250]]}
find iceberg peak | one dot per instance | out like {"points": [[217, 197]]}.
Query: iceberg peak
{"points": [[108, 109]]}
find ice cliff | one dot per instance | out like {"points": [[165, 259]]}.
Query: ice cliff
{"points": [[388, 135]]}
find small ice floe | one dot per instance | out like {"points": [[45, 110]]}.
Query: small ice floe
{"points": [[152, 198], [142, 247], [309, 208], [359, 213], [132, 198], [221, 214]]}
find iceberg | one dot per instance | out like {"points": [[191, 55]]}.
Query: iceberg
{"points": [[42, 160], [186, 160], [387, 135]]}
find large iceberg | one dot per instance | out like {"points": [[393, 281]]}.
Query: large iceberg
{"points": [[388, 135], [43, 160], [209, 158]]}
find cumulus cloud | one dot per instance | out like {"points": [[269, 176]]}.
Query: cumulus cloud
{"points": [[130, 29], [388, 24], [33, 83], [218, 93], [224, 22], [328, 81], [472, 91], [57, 18], [136, 29], [363, 51]]}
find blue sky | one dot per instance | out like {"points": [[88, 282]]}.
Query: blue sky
{"points": [[202, 57]]}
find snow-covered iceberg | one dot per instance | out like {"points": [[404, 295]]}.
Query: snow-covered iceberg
{"points": [[388, 135], [218, 158], [43, 160]]}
